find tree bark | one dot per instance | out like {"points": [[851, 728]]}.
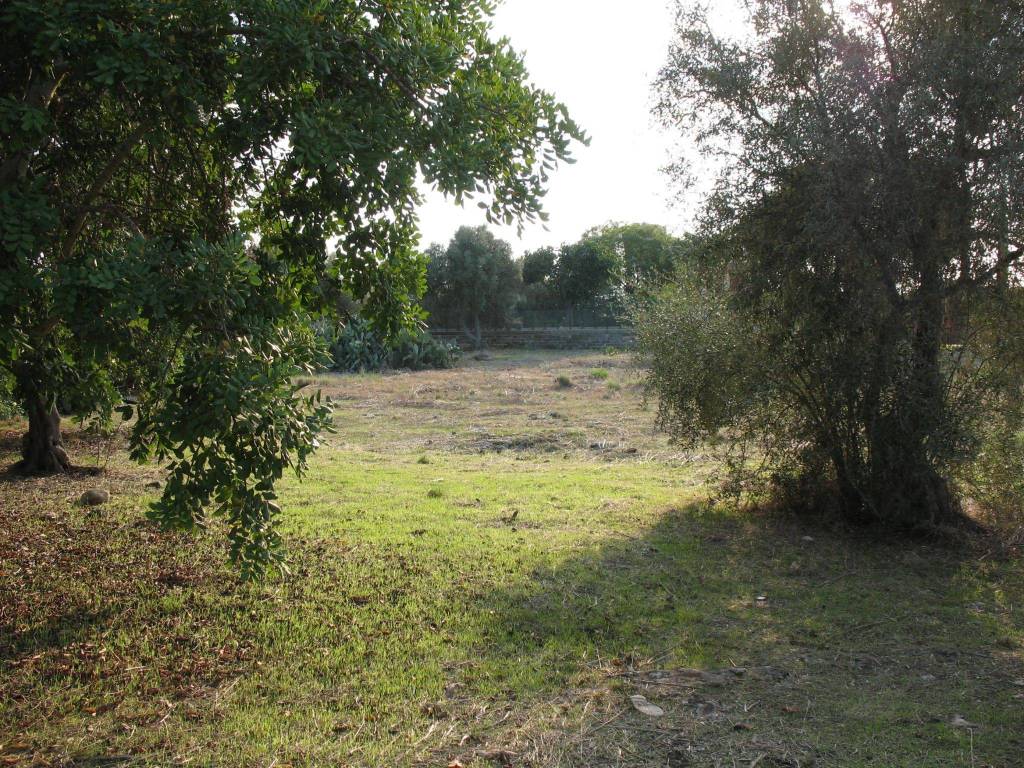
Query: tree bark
{"points": [[42, 447], [907, 484], [475, 336]]}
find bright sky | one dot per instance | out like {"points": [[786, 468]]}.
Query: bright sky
{"points": [[599, 57]]}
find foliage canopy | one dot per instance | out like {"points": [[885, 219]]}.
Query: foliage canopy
{"points": [[473, 281], [863, 237], [184, 184]]}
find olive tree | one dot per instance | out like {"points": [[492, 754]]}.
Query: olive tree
{"points": [[185, 183], [472, 282], [869, 199]]}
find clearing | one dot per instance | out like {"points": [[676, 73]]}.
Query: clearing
{"points": [[485, 566]]}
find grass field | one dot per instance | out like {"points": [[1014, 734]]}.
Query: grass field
{"points": [[485, 565]]}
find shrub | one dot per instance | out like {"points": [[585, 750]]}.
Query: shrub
{"points": [[996, 479], [564, 381], [989, 394], [357, 348], [418, 350], [9, 408], [599, 373]]}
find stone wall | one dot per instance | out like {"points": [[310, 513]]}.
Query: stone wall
{"points": [[545, 338]]}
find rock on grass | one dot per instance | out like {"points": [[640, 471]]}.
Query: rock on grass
{"points": [[94, 497]]}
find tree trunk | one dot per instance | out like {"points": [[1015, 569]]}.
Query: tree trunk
{"points": [[907, 485], [42, 448], [475, 336]]}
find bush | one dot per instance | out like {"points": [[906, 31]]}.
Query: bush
{"points": [[418, 350], [996, 480], [989, 392], [356, 348], [9, 406]]}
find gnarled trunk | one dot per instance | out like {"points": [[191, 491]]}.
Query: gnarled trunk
{"points": [[906, 481], [42, 448]]}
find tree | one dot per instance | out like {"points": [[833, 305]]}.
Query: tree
{"points": [[872, 167], [183, 184], [473, 281], [645, 254], [583, 272], [538, 266]]}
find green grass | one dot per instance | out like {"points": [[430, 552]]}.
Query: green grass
{"points": [[599, 373], [496, 603]]}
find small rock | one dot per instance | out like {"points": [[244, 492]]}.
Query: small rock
{"points": [[94, 497], [154, 484], [742, 727], [768, 673], [451, 690], [761, 602], [49, 516], [794, 567], [807, 538], [958, 721], [643, 706], [434, 710], [711, 678], [499, 756], [928, 678]]}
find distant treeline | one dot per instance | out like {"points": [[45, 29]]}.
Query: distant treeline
{"points": [[474, 282]]}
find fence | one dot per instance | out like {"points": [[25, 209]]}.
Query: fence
{"points": [[544, 338], [590, 316]]}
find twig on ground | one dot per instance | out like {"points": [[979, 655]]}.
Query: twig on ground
{"points": [[609, 721]]}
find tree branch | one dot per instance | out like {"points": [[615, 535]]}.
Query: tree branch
{"points": [[121, 154], [1001, 263], [39, 95]]}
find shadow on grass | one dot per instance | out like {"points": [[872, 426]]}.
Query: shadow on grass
{"points": [[75, 626], [862, 652], [823, 647]]}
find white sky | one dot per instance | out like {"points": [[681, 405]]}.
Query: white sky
{"points": [[599, 57]]}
